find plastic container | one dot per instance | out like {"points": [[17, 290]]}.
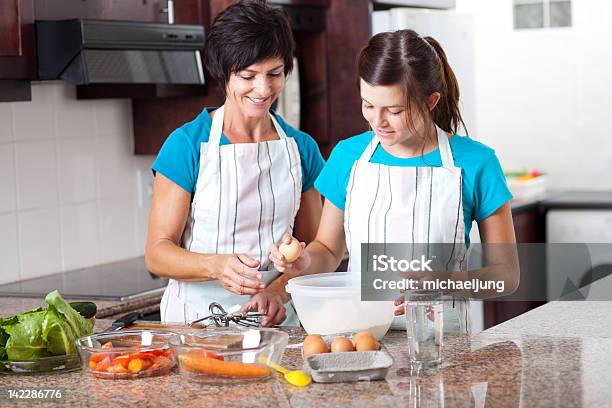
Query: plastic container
{"points": [[352, 366], [327, 303], [527, 190], [126, 354], [228, 355]]}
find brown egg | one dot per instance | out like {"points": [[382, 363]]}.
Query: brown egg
{"points": [[314, 344], [291, 251], [366, 343], [360, 335], [341, 344]]}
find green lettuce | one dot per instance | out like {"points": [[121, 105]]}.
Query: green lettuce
{"points": [[57, 334], [78, 324], [25, 342], [4, 335], [43, 332]]}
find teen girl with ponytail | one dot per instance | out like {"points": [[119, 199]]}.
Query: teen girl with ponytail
{"points": [[411, 178]]}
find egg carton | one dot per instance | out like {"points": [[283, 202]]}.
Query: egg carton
{"points": [[350, 366]]}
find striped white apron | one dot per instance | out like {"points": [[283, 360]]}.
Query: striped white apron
{"points": [[394, 204], [247, 196]]}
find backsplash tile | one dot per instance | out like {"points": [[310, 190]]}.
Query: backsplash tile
{"points": [[36, 166], [117, 229], [69, 193], [77, 170], [9, 250], [115, 174], [39, 242], [79, 226], [35, 120], [76, 117], [7, 181], [6, 123], [113, 116]]}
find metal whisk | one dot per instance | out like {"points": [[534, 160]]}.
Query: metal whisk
{"points": [[221, 318]]}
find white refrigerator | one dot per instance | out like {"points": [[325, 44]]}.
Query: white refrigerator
{"points": [[455, 33]]}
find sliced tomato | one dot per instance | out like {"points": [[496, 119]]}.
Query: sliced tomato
{"points": [[104, 364]]}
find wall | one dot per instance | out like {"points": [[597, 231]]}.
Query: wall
{"points": [[544, 96], [69, 185]]}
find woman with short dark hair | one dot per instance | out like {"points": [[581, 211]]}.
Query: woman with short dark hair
{"points": [[233, 181]]}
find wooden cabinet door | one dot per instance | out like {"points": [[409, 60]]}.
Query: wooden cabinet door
{"points": [[130, 10], [17, 47], [529, 229]]}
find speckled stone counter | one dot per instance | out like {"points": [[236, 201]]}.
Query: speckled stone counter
{"points": [[558, 355], [106, 308]]}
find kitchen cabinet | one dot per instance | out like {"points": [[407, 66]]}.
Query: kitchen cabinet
{"points": [[17, 50], [328, 34], [132, 10], [529, 227]]}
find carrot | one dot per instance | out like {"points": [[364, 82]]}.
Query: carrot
{"points": [[143, 355], [138, 364], [117, 368], [123, 360], [194, 361]]}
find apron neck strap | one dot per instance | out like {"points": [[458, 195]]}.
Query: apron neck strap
{"points": [[446, 154], [216, 129]]}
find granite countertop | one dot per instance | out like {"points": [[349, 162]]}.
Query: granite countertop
{"points": [[555, 355], [567, 200], [106, 308]]}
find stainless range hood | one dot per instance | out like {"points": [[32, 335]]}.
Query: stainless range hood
{"points": [[84, 52]]}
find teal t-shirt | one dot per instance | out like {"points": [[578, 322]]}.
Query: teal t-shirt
{"points": [[484, 187], [179, 157]]}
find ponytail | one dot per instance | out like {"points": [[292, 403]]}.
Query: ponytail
{"points": [[446, 113], [419, 65]]}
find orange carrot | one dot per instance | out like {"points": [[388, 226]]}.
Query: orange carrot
{"points": [[138, 364], [117, 368], [123, 360], [193, 361]]}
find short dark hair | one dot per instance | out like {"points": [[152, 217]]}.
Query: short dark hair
{"points": [[246, 33]]}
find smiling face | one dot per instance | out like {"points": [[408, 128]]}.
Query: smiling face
{"points": [[255, 88], [384, 107]]}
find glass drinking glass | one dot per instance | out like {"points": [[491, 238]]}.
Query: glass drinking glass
{"points": [[424, 327]]}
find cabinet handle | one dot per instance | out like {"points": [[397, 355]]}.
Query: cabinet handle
{"points": [[169, 9]]}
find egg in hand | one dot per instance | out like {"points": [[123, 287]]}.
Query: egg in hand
{"points": [[290, 251]]}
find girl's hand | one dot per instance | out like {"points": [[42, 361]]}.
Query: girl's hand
{"points": [[238, 274], [399, 306], [268, 303], [290, 268]]}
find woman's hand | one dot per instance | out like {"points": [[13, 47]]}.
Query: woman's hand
{"points": [[290, 268], [238, 274], [268, 303]]}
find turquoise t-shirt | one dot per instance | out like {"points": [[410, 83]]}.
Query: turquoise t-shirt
{"points": [[179, 157], [484, 184]]}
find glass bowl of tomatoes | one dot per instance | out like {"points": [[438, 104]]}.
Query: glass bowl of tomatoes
{"points": [[126, 354]]}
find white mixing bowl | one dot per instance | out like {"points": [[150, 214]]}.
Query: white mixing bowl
{"points": [[326, 303]]}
